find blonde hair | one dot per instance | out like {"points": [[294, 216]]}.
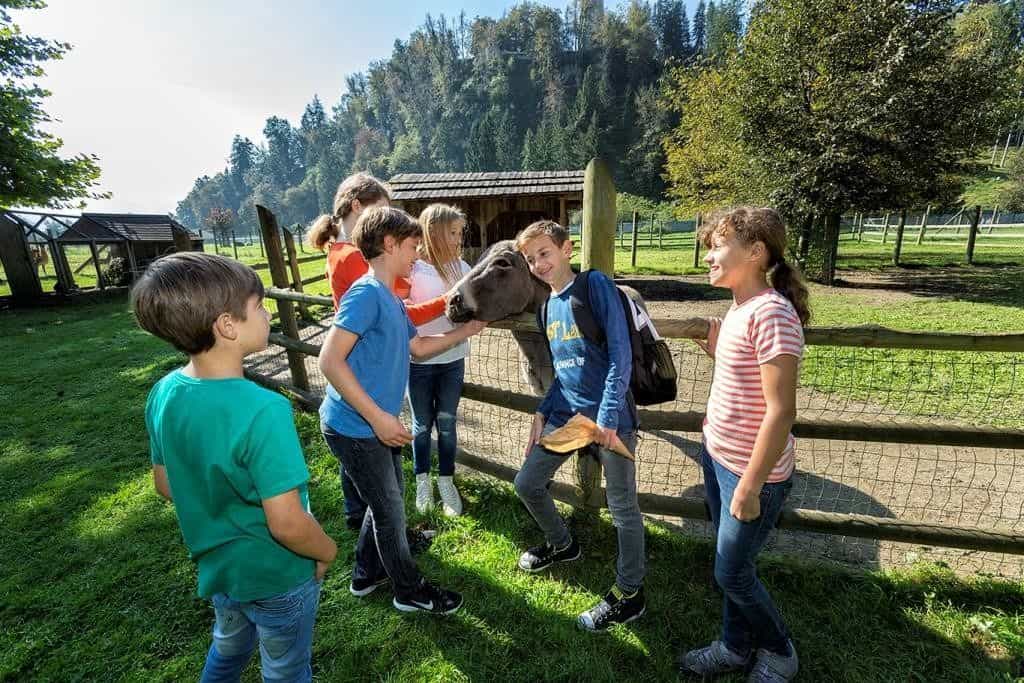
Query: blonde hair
{"points": [[752, 224], [361, 186], [435, 248], [552, 229]]}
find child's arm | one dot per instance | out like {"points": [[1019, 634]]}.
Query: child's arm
{"points": [[425, 347], [163, 487], [297, 530], [778, 382], [333, 363], [423, 313]]}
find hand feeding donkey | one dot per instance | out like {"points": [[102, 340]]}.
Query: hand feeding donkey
{"points": [[501, 285]]}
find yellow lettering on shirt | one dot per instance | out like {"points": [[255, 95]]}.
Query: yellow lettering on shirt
{"points": [[572, 333]]}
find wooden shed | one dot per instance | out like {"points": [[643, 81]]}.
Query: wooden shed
{"points": [[140, 238], [498, 204]]}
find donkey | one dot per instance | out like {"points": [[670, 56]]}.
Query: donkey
{"points": [[501, 285]]}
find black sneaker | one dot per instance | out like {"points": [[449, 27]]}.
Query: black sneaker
{"points": [[363, 587], [354, 523], [615, 608], [543, 556], [419, 539], [429, 598]]}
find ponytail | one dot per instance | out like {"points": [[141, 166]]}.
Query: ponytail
{"points": [[321, 232], [788, 282]]}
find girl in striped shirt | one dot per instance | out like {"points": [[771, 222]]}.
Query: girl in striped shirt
{"points": [[747, 454]]}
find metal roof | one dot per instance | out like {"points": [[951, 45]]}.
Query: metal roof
{"points": [[124, 226], [494, 184]]}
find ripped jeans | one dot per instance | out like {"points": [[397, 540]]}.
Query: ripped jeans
{"points": [[434, 393]]}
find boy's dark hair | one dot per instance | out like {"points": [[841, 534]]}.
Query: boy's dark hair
{"points": [[180, 296], [377, 223], [552, 229]]}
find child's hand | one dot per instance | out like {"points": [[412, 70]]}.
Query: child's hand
{"points": [[714, 326], [474, 327], [745, 506], [390, 430], [606, 437], [536, 429], [321, 570]]}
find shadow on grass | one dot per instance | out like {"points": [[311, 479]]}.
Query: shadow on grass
{"points": [[673, 289], [1001, 284]]}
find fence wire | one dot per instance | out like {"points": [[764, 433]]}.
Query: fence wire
{"points": [[949, 485]]}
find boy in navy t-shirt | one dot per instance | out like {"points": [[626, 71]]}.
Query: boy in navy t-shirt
{"points": [[592, 380], [365, 358]]}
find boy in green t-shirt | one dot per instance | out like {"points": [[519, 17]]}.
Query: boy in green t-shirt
{"points": [[225, 451]]}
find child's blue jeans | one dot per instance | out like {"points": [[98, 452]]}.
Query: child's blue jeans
{"points": [[282, 625], [434, 393], [749, 616]]}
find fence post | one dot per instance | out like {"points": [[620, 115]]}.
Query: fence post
{"points": [[973, 234], [924, 224], [995, 217], [279, 276], [696, 242], [633, 236], [899, 237], [885, 227], [293, 264], [96, 262], [234, 243], [599, 217], [259, 234], [650, 234], [661, 233]]}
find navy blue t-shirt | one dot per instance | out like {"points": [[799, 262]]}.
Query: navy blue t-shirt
{"points": [[589, 379], [379, 359]]}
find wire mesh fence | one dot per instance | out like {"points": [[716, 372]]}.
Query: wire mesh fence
{"points": [[955, 486]]}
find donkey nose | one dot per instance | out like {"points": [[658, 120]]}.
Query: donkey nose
{"points": [[455, 301]]}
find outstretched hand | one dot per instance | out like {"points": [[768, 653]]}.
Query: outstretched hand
{"points": [[714, 327]]}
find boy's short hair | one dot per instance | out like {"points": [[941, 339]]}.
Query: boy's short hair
{"points": [[552, 229], [377, 223], [180, 296]]}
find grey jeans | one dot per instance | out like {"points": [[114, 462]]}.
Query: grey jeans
{"points": [[620, 484]]}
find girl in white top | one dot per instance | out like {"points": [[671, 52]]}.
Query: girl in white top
{"points": [[435, 384]]}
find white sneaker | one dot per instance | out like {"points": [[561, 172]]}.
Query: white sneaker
{"points": [[424, 493], [450, 498]]}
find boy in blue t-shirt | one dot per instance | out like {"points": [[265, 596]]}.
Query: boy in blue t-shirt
{"points": [[592, 380], [225, 451], [365, 358]]}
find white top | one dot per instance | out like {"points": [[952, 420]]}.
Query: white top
{"points": [[427, 284]]}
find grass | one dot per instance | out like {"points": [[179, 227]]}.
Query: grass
{"points": [[95, 583]]}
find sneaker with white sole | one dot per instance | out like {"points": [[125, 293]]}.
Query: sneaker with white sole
{"points": [[363, 587], [424, 493], [543, 556], [711, 662], [771, 667], [451, 501], [615, 608], [429, 598]]}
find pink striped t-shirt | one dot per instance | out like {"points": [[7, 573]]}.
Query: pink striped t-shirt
{"points": [[761, 328]]}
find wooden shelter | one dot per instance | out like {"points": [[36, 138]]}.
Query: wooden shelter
{"points": [[498, 204], [140, 238]]}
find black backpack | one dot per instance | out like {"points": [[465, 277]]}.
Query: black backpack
{"points": [[653, 379]]}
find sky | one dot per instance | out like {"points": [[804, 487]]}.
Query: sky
{"points": [[158, 88]]}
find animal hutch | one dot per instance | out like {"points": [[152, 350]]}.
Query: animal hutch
{"points": [[497, 205], [83, 246]]}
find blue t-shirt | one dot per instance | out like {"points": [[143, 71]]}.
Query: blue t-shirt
{"points": [[379, 359], [589, 379]]}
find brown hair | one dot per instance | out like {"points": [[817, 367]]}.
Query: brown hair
{"points": [[361, 186], [435, 248], [180, 296], [751, 224], [377, 223], [556, 232]]}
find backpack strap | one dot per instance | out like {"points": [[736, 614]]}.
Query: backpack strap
{"points": [[583, 311]]}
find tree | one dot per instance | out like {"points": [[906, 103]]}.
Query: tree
{"points": [[220, 221], [723, 27], [32, 172], [700, 29], [832, 106]]}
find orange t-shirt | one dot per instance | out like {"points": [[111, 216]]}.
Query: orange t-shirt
{"points": [[345, 265]]}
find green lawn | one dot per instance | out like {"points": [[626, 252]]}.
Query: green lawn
{"points": [[96, 585]]}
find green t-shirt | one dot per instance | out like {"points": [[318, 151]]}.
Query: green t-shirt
{"points": [[227, 444]]}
